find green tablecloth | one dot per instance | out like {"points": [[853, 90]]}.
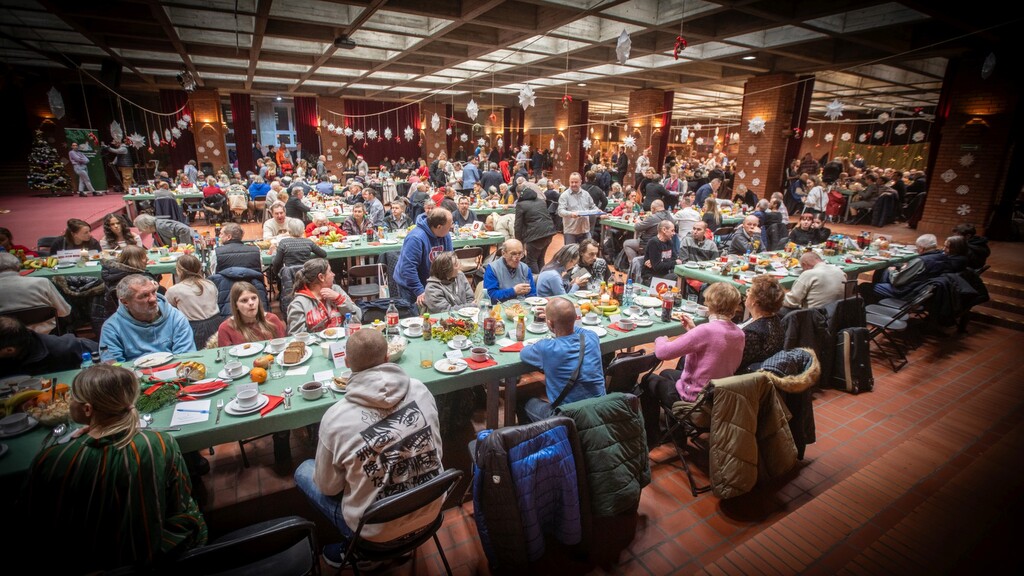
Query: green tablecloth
{"points": [[631, 226], [140, 197]]}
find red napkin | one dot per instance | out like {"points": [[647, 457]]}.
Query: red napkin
{"points": [[616, 326], [204, 387], [153, 388], [275, 401], [517, 347], [151, 371], [27, 272], [476, 365]]}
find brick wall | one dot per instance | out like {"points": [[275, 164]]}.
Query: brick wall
{"points": [[334, 146], [645, 109], [433, 142], [772, 98], [208, 128]]}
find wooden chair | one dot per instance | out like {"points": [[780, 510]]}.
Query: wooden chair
{"points": [[359, 290], [36, 315]]}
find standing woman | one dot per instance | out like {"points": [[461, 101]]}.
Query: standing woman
{"points": [[117, 233], [77, 236], [196, 298], [555, 278], [318, 302], [248, 321]]}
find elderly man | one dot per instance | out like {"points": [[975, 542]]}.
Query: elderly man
{"points": [[398, 217], [320, 226], [325, 187], [277, 226], [144, 323], [509, 277], [937, 262], [747, 238], [165, 231], [447, 200], [491, 177], [646, 230], [374, 209], [21, 292], [428, 239], [571, 203], [463, 215], [573, 351], [354, 192], [707, 190], [660, 256], [696, 246], [296, 208], [321, 168], [504, 223], [819, 284], [232, 253], [23, 351], [382, 439]]}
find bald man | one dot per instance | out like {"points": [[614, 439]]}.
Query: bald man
{"points": [[747, 238], [381, 439], [509, 277], [819, 284], [559, 358]]}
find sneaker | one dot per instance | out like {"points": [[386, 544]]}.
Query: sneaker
{"points": [[334, 555], [98, 193], [83, 194]]}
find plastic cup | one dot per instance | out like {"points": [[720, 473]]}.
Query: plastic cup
{"points": [[426, 358]]}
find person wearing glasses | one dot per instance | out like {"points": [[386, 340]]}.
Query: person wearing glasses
{"points": [[509, 277]]}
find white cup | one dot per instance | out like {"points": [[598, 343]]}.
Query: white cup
{"points": [[325, 347], [592, 317], [415, 330], [303, 337], [247, 398], [233, 368], [312, 390], [459, 340], [276, 345], [14, 423], [479, 354]]}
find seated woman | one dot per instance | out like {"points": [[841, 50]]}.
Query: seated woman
{"points": [[132, 260], [764, 335], [318, 302], [810, 230], [77, 236], [321, 226], [248, 321], [555, 277], [117, 233], [447, 288], [357, 222], [7, 244], [712, 215], [211, 187], [195, 297], [123, 491], [506, 195], [624, 207], [294, 249], [711, 350]]}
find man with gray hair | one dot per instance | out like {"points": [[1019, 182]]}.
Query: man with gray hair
{"points": [[902, 281], [26, 292], [571, 204], [232, 253], [819, 284], [295, 207], [165, 231], [144, 323]]}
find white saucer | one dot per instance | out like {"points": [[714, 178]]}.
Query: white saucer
{"points": [[470, 312], [446, 366], [594, 323], [233, 409], [691, 265], [406, 322], [643, 322], [29, 424], [387, 241], [408, 334], [537, 301], [153, 359], [223, 374], [306, 356], [597, 330], [648, 301], [241, 350], [584, 294], [469, 344], [531, 330], [334, 386]]}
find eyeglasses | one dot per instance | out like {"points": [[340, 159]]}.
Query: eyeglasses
{"points": [[515, 254]]}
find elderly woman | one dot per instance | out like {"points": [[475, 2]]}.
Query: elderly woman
{"points": [[123, 491], [357, 222], [555, 279], [712, 350], [506, 196], [318, 303], [764, 335], [447, 288], [320, 226], [294, 249]]}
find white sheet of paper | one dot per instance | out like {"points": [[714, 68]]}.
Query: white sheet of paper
{"points": [[323, 375], [453, 355], [505, 342], [338, 354], [300, 371], [191, 412], [614, 318], [169, 374]]}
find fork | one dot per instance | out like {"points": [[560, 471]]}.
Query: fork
{"points": [[220, 407]]}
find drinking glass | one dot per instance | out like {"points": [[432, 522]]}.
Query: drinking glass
{"points": [[426, 358]]}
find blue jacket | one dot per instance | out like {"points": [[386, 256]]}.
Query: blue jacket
{"points": [[225, 278], [470, 174], [418, 251], [126, 338], [257, 189], [499, 294]]}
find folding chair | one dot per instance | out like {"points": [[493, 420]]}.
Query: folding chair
{"points": [[36, 315], [364, 290], [469, 261], [628, 368], [723, 235], [884, 322], [687, 423], [283, 546]]}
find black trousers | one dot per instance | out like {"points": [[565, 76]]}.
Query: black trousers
{"points": [[536, 251], [659, 392]]}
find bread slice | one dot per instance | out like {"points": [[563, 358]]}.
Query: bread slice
{"points": [[294, 352]]}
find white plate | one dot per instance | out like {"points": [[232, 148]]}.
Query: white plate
{"points": [[494, 234], [859, 261], [446, 366], [223, 375], [29, 424], [338, 334], [691, 265], [211, 392], [597, 330], [469, 312], [233, 409], [594, 323], [584, 294], [406, 322], [334, 386], [469, 344], [644, 322], [7, 383], [537, 301], [242, 351], [389, 241], [153, 359], [779, 273], [533, 329], [409, 334], [306, 356], [647, 301], [65, 265]]}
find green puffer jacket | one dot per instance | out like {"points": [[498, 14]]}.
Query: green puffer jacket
{"points": [[611, 433]]}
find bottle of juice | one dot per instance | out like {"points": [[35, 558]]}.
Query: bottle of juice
{"points": [[521, 328]]}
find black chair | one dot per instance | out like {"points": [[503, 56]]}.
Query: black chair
{"points": [[280, 547], [395, 507], [626, 369], [723, 234], [203, 329], [169, 209], [36, 315], [687, 423], [44, 243], [885, 322]]}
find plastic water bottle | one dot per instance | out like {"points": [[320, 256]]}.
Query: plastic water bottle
{"points": [[86, 360], [348, 325], [627, 294]]}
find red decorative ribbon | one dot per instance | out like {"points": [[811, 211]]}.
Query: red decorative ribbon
{"points": [[566, 99], [681, 45]]}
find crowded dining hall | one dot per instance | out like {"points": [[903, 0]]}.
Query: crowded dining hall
{"points": [[576, 287]]}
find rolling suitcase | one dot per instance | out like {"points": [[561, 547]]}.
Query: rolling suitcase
{"points": [[853, 361]]}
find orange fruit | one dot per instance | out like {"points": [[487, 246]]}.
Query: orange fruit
{"points": [[258, 375]]}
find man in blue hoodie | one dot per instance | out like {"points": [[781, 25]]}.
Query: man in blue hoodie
{"points": [[428, 239], [144, 323]]}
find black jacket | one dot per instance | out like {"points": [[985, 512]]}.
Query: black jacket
{"points": [[595, 191], [294, 208], [226, 277], [46, 353], [533, 222], [234, 253], [489, 178]]}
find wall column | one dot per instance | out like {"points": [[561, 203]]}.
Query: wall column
{"points": [[644, 124], [761, 160], [208, 129]]}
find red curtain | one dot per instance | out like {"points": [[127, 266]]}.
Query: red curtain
{"points": [[307, 120], [666, 123], [184, 148], [241, 118], [384, 115]]}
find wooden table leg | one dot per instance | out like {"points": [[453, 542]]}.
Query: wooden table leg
{"points": [[493, 389], [510, 401]]}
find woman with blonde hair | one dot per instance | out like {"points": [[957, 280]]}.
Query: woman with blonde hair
{"points": [[196, 298], [122, 490], [712, 216], [248, 321]]}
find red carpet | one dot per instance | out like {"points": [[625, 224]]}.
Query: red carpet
{"points": [[30, 218]]}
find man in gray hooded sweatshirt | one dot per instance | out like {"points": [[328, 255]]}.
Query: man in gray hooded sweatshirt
{"points": [[382, 438]]}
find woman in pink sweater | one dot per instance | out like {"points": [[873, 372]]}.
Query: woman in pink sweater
{"points": [[712, 350]]}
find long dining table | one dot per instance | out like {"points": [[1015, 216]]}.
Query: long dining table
{"points": [[199, 435], [130, 200]]}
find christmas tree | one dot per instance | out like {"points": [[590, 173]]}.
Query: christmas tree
{"points": [[46, 169]]}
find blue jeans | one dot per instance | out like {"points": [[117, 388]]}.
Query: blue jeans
{"points": [[575, 238], [407, 295], [329, 506], [534, 410]]}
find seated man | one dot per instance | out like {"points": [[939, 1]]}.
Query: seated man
{"points": [[398, 218], [296, 207], [646, 230], [661, 256], [144, 323], [567, 375], [509, 277], [977, 246], [695, 246], [463, 216], [232, 253], [277, 225], [382, 438], [374, 209], [590, 263], [746, 239], [27, 292], [936, 263], [23, 351], [819, 284]]}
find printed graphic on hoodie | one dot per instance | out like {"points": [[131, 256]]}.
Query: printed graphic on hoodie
{"points": [[399, 453]]}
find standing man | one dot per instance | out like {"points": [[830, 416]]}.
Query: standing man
{"points": [[123, 162], [621, 167], [191, 171], [571, 202], [470, 173], [80, 164], [642, 164], [688, 215], [428, 239]]}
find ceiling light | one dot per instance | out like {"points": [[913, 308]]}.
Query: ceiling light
{"points": [[750, 57], [582, 84], [279, 98]]}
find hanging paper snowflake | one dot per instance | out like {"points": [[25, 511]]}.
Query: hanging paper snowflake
{"points": [[883, 117], [918, 136], [962, 189], [408, 133], [437, 144], [525, 148], [845, 137], [879, 134], [472, 109], [755, 182], [862, 137], [116, 132], [348, 132], [829, 137], [182, 124], [500, 143], [623, 46], [387, 133], [734, 137], [834, 109], [752, 150], [963, 209], [371, 134], [358, 135], [323, 123], [697, 126], [167, 134], [176, 133], [435, 122], [948, 176], [216, 151], [448, 131], [684, 135], [481, 142], [138, 140], [699, 141], [967, 159], [464, 137], [551, 144], [587, 143], [339, 131], [629, 143], [742, 174], [154, 138], [526, 96], [187, 118], [331, 127], [756, 125], [809, 133], [900, 129], [757, 163]]}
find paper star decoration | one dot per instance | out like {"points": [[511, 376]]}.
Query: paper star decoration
{"points": [[358, 135], [623, 46], [348, 132], [742, 174], [175, 133], [756, 125], [918, 136], [879, 134], [472, 109], [526, 96], [809, 133], [755, 182], [448, 131], [331, 127], [829, 137], [629, 143], [967, 159], [551, 144], [387, 133], [752, 149], [697, 126], [182, 124], [481, 142], [501, 143], [138, 140], [371, 134], [963, 209], [962, 189], [862, 137], [699, 141], [116, 132], [948, 176], [757, 163], [201, 149], [167, 135], [409, 133], [525, 148], [883, 117], [845, 137], [834, 109], [900, 129], [684, 135], [464, 137], [186, 118], [435, 122], [587, 143]]}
